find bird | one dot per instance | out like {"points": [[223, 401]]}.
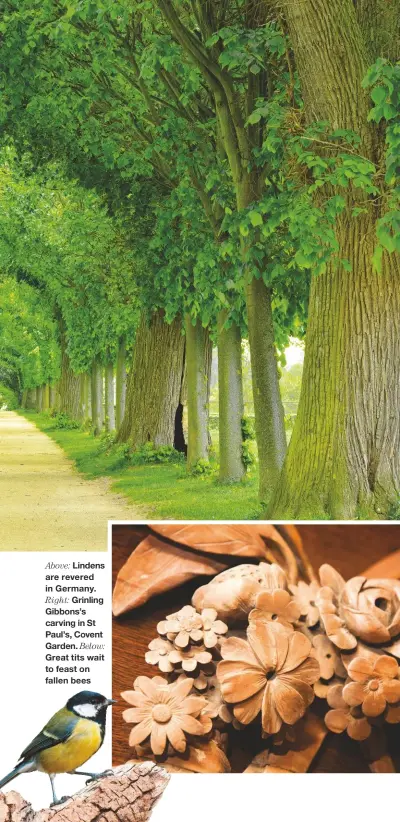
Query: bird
{"points": [[67, 741]]}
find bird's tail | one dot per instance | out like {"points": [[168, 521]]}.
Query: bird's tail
{"points": [[22, 767]]}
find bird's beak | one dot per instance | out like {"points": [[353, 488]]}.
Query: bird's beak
{"points": [[112, 701]]}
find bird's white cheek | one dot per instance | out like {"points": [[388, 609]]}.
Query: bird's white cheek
{"points": [[86, 710]]}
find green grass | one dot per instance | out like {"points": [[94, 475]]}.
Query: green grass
{"points": [[160, 491]]}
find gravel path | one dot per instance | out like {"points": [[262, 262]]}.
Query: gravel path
{"points": [[45, 505]]}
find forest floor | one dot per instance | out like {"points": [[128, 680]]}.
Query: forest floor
{"points": [[45, 504], [162, 491]]}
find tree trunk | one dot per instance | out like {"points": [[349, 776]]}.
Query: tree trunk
{"points": [[31, 399], [52, 397], [24, 398], [85, 387], [109, 397], [97, 397], [268, 408], [120, 379], [230, 391], [39, 398], [69, 383], [198, 360], [343, 460], [154, 383], [45, 397]]}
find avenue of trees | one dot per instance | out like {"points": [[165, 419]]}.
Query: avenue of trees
{"points": [[178, 175]]}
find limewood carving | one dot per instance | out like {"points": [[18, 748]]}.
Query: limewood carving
{"points": [[255, 648]]}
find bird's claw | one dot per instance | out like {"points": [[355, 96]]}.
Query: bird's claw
{"points": [[95, 776], [59, 801]]}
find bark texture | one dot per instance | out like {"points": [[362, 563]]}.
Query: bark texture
{"points": [[129, 794], [343, 459], [198, 365], [97, 397], [154, 383], [230, 386], [39, 398], [120, 378], [109, 397]]}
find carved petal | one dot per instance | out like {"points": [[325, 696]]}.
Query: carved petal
{"points": [[271, 721], [374, 703], [360, 669], [330, 577], [292, 698], [298, 651], [240, 682], [386, 667], [246, 711], [269, 641]]}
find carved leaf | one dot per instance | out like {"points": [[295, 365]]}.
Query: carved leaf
{"points": [[155, 567], [238, 540]]}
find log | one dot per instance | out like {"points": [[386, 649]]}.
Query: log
{"points": [[127, 795]]}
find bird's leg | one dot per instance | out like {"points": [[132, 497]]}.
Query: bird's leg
{"points": [[55, 800], [93, 776]]}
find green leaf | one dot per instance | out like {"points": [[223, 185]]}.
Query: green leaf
{"points": [[255, 218], [378, 94]]}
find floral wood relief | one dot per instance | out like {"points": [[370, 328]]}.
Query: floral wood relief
{"points": [[256, 647]]}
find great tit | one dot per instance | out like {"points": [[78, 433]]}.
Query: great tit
{"points": [[70, 738]]}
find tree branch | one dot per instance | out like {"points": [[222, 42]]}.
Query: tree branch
{"points": [[127, 795]]}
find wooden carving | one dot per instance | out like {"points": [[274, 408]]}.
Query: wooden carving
{"points": [[175, 554], [257, 647]]}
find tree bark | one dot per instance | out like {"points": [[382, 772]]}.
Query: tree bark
{"points": [[120, 383], [230, 392], [39, 398], [84, 404], [268, 408], [343, 460], [45, 397], [154, 383], [31, 399], [129, 794], [24, 398], [198, 363], [97, 397], [109, 397], [69, 383]]}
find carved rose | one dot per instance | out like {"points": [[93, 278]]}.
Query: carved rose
{"points": [[272, 673], [360, 609]]}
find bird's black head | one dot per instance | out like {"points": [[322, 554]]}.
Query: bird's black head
{"points": [[89, 705]]}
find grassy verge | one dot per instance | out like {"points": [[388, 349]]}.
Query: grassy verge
{"points": [[163, 491]]}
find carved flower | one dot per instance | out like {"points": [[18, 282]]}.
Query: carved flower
{"points": [[213, 627], [374, 683], [343, 718], [272, 673], [275, 606], [305, 597], [182, 627], [189, 658], [164, 712], [158, 654], [329, 660], [365, 609]]}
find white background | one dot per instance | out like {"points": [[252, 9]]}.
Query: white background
{"points": [[26, 703]]}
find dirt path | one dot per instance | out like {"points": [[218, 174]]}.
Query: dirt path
{"points": [[44, 503]]}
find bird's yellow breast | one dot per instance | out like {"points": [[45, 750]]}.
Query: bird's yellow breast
{"points": [[84, 741]]}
